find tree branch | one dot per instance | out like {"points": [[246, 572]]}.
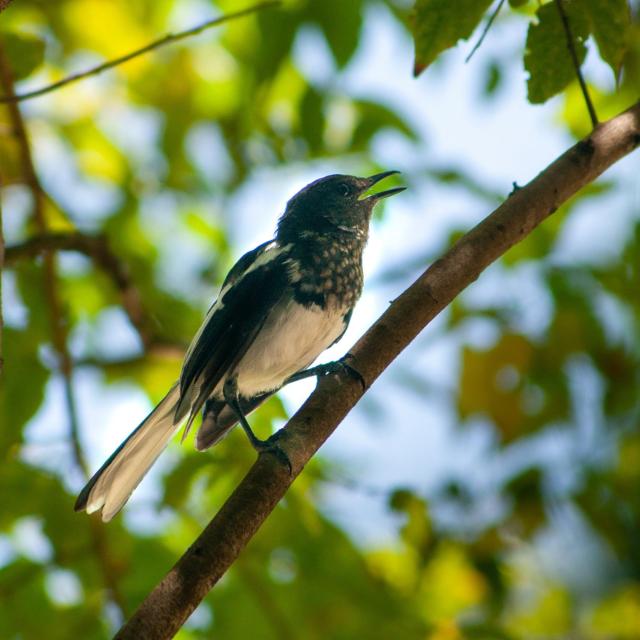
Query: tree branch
{"points": [[156, 44], [58, 325], [97, 248], [171, 602], [576, 63]]}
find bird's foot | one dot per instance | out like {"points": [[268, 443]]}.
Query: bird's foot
{"points": [[270, 445], [342, 366], [330, 368]]}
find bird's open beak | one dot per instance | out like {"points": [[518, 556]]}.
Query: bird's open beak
{"points": [[381, 194]]}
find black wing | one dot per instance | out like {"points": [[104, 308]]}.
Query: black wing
{"points": [[252, 288]]}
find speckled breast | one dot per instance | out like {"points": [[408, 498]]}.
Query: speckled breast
{"points": [[328, 273]]}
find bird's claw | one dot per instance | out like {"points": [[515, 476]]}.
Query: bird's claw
{"points": [[270, 445], [342, 366]]}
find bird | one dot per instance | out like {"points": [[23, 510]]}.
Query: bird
{"points": [[280, 306]]}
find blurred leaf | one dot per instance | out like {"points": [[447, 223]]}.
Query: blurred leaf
{"points": [[374, 117], [417, 531], [278, 30], [22, 386], [550, 615], [618, 616], [24, 592], [439, 24], [451, 584], [493, 79], [526, 492], [341, 22], [547, 58], [491, 383], [11, 167], [178, 481], [311, 118], [24, 51], [459, 177], [154, 373]]}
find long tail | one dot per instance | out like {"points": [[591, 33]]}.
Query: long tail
{"points": [[111, 486]]}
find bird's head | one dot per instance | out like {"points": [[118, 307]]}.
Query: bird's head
{"points": [[335, 203]]}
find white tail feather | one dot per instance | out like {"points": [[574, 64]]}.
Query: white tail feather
{"points": [[115, 482]]}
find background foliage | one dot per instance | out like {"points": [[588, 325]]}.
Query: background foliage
{"points": [[159, 158]]}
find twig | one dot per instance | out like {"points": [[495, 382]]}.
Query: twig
{"points": [[58, 328], [97, 248], [576, 63], [166, 608], [4, 4], [493, 16], [161, 42]]}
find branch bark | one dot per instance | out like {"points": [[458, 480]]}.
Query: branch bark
{"points": [[167, 607]]}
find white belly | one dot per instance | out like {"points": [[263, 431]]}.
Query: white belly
{"points": [[292, 337]]}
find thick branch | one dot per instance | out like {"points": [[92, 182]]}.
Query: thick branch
{"points": [[97, 248], [205, 562], [156, 44]]}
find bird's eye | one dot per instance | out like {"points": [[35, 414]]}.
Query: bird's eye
{"points": [[344, 189]]}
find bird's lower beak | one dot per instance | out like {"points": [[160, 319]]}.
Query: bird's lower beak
{"points": [[382, 194]]}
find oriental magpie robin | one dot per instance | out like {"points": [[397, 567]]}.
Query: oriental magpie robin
{"points": [[280, 306]]}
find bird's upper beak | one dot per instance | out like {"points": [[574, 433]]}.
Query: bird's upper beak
{"points": [[370, 181]]}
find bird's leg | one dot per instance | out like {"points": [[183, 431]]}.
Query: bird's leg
{"points": [[329, 368], [230, 392]]}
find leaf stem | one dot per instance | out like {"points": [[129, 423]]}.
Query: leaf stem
{"points": [[576, 63], [492, 17]]}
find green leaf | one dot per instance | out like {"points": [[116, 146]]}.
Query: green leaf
{"points": [[610, 23], [493, 383], [22, 389], [340, 22], [312, 119], [374, 117], [439, 24], [278, 29], [547, 58], [493, 79], [25, 53]]}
